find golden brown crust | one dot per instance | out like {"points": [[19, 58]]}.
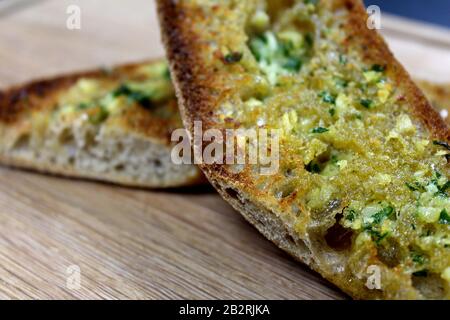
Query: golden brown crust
{"points": [[184, 62], [196, 86]]}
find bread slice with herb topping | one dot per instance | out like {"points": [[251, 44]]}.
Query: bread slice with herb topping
{"points": [[111, 125], [362, 191]]}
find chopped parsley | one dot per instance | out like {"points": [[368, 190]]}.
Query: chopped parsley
{"points": [[343, 59], [378, 218], [442, 188], [320, 130], [313, 167], [351, 215], [277, 54], [341, 83], [167, 74], [417, 258], [383, 214], [84, 106], [327, 97], [293, 64], [444, 218], [140, 97], [332, 112], [377, 236], [309, 39], [366, 103], [415, 186]]}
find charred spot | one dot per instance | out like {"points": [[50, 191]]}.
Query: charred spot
{"points": [[40, 88], [338, 237], [157, 163], [349, 5], [233, 194], [232, 57], [19, 96]]}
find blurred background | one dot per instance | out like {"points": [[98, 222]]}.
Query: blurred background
{"points": [[432, 11]]}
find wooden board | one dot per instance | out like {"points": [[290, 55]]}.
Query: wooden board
{"points": [[134, 243]]}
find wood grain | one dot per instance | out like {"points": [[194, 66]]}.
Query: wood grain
{"points": [[128, 243]]}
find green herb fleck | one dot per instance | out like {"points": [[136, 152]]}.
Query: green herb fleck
{"points": [[332, 112], [417, 258], [377, 236], [313, 167], [309, 39], [327, 97], [84, 106], [415, 187], [293, 64], [343, 59], [444, 218], [351, 215], [320, 130], [341, 83], [366, 103], [143, 98], [383, 214], [167, 74], [442, 189]]}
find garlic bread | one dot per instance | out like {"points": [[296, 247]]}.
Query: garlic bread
{"points": [[362, 190], [113, 125]]}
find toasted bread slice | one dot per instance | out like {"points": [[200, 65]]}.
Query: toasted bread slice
{"points": [[361, 193], [438, 95], [112, 125]]}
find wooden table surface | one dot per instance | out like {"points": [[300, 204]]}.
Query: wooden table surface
{"points": [[130, 243]]}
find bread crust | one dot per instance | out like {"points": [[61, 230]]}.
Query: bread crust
{"points": [[196, 87]]}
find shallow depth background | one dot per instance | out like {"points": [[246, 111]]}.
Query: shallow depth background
{"points": [[432, 11]]}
